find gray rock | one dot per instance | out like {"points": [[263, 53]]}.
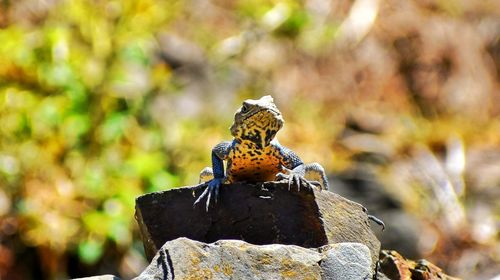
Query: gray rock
{"points": [[100, 277], [265, 213], [183, 258], [347, 261]]}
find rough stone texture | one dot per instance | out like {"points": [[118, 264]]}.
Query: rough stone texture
{"points": [[395, 267], [183, 258], [347, 261], [265, 213], [100, 277]]}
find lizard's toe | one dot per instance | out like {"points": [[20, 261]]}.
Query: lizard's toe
{"points": [[212, 189], [281, 176], [293, 179]]}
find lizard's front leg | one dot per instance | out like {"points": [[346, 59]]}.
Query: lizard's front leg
{"points": [[298, 171], [293, 176], [294, 169], [219, 153]]}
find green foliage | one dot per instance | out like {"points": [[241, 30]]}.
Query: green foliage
{"points": [[90, 251], [75, 140], [294, 24]]}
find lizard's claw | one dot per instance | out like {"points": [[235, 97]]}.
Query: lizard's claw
{"points": [[293, 179], [213, 187]]}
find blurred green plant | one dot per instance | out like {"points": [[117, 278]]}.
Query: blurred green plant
{"points": [[77, 143]]}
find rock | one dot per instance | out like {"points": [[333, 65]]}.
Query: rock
{"points": [[183, 258], [395, 267], [347, 261], [262, 213], [100, 277], [360, 184]]}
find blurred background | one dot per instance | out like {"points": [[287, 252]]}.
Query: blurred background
{"points": [[102, 101]]}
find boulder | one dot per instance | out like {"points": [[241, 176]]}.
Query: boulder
{"points": [[183, 258], [259, 213]]}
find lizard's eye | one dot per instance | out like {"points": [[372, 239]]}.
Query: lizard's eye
{"points": [[244, 108]]}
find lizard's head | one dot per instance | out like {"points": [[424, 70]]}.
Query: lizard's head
{"points": [[257, 121]]}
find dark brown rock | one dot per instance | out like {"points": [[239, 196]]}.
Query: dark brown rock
{"points": [[263, 213]]}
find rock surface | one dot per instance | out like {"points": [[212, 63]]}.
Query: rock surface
{"points": [[263, 213], [395, 267], [183, 258], [100, 277], [347, 261]]}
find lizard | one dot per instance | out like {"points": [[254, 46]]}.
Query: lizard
{"points": [[255, 154]]}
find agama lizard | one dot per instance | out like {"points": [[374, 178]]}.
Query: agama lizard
{"points": [[255, 155]]}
